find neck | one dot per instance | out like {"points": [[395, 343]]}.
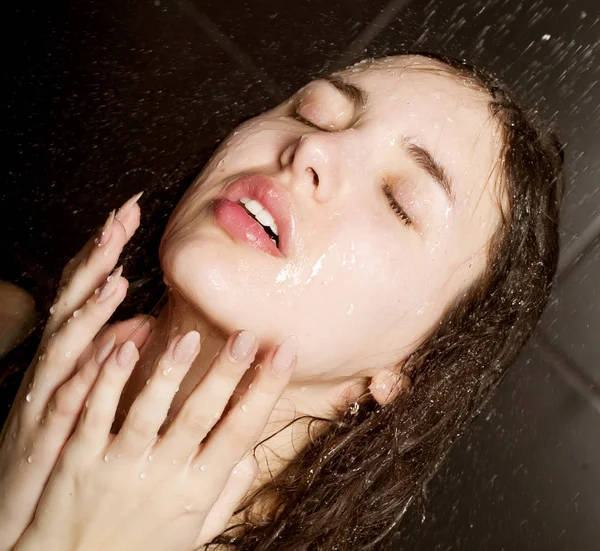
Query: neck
{"points": [[177, 318]]}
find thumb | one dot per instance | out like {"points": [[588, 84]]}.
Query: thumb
{"points": [[235, 490]]}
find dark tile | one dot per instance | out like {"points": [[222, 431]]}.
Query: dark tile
{"points": [[290, 41], [572, 320], [526, 476]]}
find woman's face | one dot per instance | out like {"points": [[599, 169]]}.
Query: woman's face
{"points": [[358, 280]]}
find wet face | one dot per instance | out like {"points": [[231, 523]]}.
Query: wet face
{"points": [[380, 182]]}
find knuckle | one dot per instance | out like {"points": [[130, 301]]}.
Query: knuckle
{"points": [[64, 403], [139, 426], [194, 422]]}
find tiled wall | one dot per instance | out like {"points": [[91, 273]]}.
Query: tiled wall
{"points": [[109, 97]]}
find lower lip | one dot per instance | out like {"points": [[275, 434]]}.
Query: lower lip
{"points": [[234, 219]]}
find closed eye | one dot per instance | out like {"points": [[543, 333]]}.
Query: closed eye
{"points": [[400, 212], [302, 120]]}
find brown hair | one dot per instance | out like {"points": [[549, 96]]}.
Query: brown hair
{"points": [[351, 486]]}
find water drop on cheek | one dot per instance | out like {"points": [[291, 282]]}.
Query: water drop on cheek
{"points": [[68, 354], [244, 407], [29, 397], [142, 475], [30, 459]]}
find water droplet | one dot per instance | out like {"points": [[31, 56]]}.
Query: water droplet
{"points": [[244, 407], [30, 459], [29, 397], [77, 313], [188, 507], [216, 415], [42, 358], [142, 475], [167, 370], [52, 310], [68, 353], [87, 403], [106, 458], [203, 467], [150, 457]]}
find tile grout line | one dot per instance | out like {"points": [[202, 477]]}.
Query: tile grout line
{"points": [[356, 47], [580, 245], [581, 382], [231, 48]]}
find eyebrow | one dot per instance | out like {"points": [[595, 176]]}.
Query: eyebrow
{"points": [[423, 158], [354, 94], [419, 154]]}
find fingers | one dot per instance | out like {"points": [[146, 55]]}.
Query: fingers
{"points": [[98, 414], [68, 400], [204, 407], [93, 264], [60, 357], [244, 423], [150, 408]]}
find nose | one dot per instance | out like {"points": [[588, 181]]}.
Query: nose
{"points": [[314, 162]]}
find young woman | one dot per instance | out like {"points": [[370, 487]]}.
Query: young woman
{"points": [[386, 239]]}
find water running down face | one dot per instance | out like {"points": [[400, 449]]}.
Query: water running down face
{"points": [[381, 184]]}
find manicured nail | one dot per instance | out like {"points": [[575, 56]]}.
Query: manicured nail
{"points": [[186, 348], [105, 351], [242, 345], [285, 356], [106, 230], [127, 205], [126, 354], [110, 286]]}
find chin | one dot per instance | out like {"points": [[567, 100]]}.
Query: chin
{"points": [[213, 276]]}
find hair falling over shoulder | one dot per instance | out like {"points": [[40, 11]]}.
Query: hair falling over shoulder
{"points": [[350, 488]]}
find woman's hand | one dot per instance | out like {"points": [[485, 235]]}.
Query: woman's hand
{"points": [[137, 491], [68, 360]]}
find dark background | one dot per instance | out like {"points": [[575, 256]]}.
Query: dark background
{"points": [[103, 99]]}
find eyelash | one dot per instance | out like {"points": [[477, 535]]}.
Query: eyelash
{"points": [[400, 212], [303, 121]]}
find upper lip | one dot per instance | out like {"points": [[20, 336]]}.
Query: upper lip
{"points": [[276, 200]]}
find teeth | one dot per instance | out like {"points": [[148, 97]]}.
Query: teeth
{"points": [[260, 213]]}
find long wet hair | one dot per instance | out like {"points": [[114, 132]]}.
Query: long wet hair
{"points": [[350, 487]]}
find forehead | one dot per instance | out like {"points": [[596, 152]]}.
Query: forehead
{"points": [[419, 98]]}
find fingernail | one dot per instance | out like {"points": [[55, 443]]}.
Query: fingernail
{"points": [[106, 230], [110, 286], [242, 345], [126, 354], [285, 357], [127, 205], [186, 348], [105, 351]]}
